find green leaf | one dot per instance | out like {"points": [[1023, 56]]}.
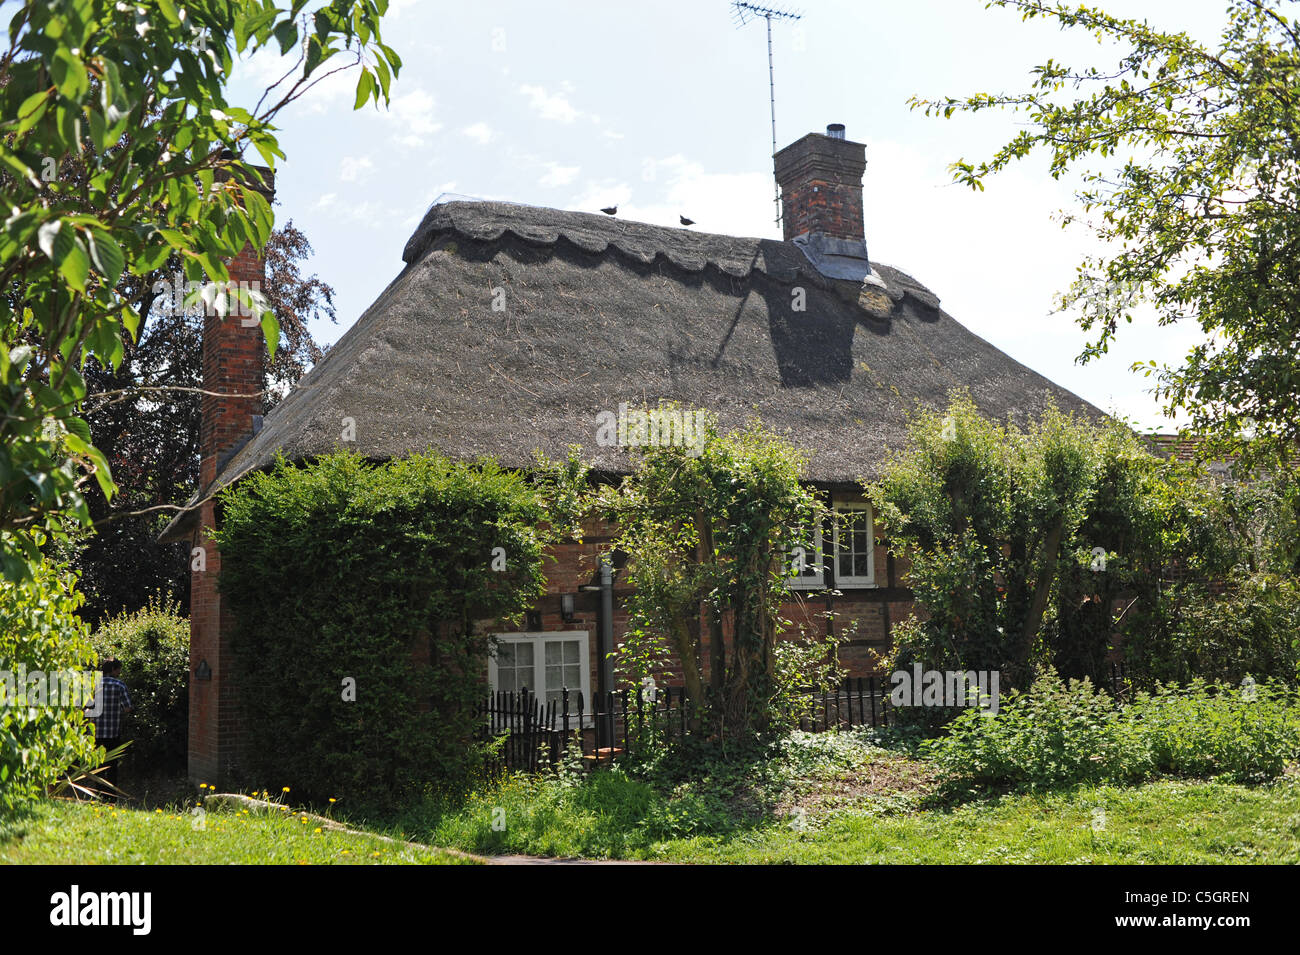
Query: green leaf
{"points": [[107, 255], [365, 88], [73, 262], [287, 35], [271, 330], [69, 74], [31, 110]]}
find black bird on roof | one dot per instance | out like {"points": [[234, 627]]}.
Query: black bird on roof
{"points": [[686, 221], [609, 210]]}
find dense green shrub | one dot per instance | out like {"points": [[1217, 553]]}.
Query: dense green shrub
{"points": [[357, 590], [1244, 734], [40, 630], [1053, 734], [1060, 734], [1048, 545], [1251, 629], [153, 644]]}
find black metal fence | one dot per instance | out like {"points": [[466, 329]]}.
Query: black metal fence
{"points": [[536, 729]]}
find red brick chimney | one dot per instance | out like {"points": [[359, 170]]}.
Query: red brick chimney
{"points": [[821, 186], [233, 356]]}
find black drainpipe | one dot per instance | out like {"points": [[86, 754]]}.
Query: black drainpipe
{"points": [[605, 641]]}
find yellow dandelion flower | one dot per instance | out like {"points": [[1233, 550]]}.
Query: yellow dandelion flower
{"points": [[317, 829], [347, 852], [332, 799], [286, 789], [375, 855]]}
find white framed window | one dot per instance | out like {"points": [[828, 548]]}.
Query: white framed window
{"points": [[806, 563], [545, 663], [853, 544]]}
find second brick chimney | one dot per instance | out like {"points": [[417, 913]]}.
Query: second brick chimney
{"points": [[233, 357]]}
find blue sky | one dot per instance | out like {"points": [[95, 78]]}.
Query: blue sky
{"points": [[662, 109]]}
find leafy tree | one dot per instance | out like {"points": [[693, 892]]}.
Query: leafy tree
{"points": [[1188, 159], [1022, 541], [144, 415], [707, 532], [136, 97]]}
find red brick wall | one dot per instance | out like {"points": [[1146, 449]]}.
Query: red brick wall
{"points": [[874, 610], [820, 205]]}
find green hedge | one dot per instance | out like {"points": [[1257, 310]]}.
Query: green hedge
{"points": [[153, 644], [347, 571]]}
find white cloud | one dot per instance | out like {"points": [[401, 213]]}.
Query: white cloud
{"points": [[415, 109], [601, 193], [557, 175], [730, 203], [355, 170], [552, 106], [481, 133]]}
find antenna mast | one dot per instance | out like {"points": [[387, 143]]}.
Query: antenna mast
{"points": [[744, 12]]}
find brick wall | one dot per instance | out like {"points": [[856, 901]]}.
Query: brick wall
{"points": [[233, 356], [872, 610]]}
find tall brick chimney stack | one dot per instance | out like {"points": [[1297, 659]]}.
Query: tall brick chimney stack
{"points": [[233, 356], [821, 185], [821, 200]]}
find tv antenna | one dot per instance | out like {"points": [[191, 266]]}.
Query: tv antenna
{"points": [[745, 12]]}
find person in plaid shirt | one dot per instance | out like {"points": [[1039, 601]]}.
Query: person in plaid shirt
{"points": [[115, 704]]}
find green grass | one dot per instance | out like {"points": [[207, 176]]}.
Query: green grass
{"points": [[62, 832], [1167, 823], [845, 799]]}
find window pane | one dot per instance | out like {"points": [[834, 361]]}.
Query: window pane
{"points": [[507, 679], [523, 654], [853, 557], [562, 667], [862, 565], [505, 655]]}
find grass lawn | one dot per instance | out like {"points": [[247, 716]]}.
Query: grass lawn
{"points": [[843, 799], [830, 798], [59, 832], [1168, 823]]}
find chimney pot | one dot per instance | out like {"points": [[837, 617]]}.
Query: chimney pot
{"points": [[835, 130]]}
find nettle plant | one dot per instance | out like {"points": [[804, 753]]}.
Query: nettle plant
{"points": [[708, 531], [133, 99]]}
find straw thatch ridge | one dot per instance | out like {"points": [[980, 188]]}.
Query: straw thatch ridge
{"points": [[596, 311]]}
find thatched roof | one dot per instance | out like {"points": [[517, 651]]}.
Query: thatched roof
{"points": [[600, 311]]}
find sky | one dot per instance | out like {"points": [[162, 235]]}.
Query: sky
{"points": [[662, 109]]}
